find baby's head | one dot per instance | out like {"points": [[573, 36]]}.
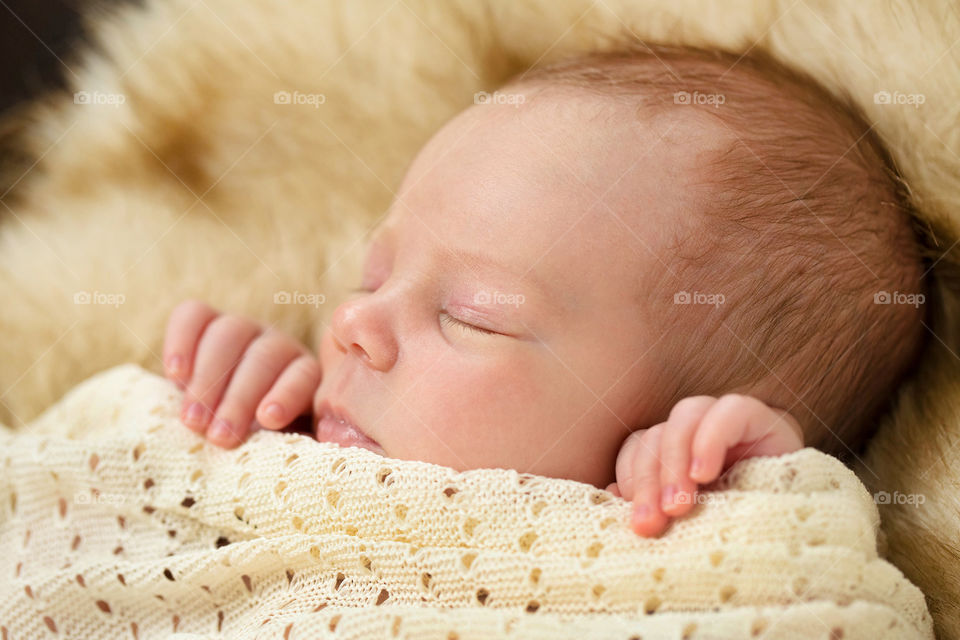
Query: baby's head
{"points": [[603, 237]]}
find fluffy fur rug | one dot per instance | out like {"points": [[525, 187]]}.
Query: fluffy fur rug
{"points": [[173, 167]]}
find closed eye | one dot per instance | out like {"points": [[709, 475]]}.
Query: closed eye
{"points": [[446, 318]]}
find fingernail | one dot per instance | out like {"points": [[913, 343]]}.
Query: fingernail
{"points": [[642, 512], [696, 466], [194, 414], [669, 492], [275, 411], [174, 363], [220, 430]]}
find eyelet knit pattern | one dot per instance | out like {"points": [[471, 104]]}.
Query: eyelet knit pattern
{"points": [[118, 522]]}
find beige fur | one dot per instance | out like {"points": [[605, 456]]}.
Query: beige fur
{"points": [[200, 185]]}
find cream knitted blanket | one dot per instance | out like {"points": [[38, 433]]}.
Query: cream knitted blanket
{"points": [[118, 522]]}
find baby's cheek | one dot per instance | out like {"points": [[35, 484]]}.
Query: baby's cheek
{"points": [[513, 386], [488, 400]]}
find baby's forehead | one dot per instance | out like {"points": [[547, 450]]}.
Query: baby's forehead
{"points": [[639, 131], [585, 176]]}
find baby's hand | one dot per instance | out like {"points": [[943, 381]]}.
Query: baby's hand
{"points": [[234, 370], [701, 437]]}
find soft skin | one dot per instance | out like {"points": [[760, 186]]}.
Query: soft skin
{"points": [[573, 218], [502, 320]]}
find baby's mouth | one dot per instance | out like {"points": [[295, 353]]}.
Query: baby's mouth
{"points": [[336, 425]]}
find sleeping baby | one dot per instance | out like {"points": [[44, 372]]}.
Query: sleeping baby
{"points": [[626, 269]]}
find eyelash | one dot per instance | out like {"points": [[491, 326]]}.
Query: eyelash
{"points": [[445, 318]]}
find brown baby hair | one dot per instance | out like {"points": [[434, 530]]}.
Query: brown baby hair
{"points": [[805, 231]]}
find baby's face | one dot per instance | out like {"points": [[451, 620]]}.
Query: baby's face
{"points": [[503, 321]]}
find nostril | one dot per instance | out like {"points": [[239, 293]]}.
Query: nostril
{"points": [[360, 352]]}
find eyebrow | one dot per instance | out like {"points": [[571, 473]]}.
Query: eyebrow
{"points": [[473, 260]]}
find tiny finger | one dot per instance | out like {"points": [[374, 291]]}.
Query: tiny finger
{"points": [[261, 364], [184, 328], [744, 423], [218, 354], [291, 394], [678, 489], [647, 518]]}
